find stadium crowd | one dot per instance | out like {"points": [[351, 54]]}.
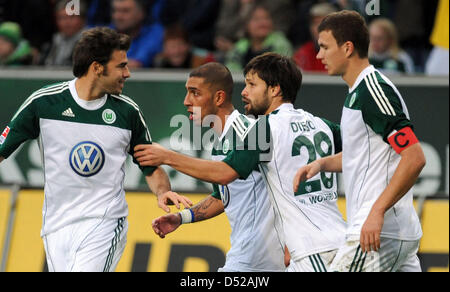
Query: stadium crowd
{"points": [[407, 36]]}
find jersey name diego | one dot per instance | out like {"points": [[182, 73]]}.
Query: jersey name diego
{"points": [[83, 146], [373, 110], [308, 222], [254, 243]]}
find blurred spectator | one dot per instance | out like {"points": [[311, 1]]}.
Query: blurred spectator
{"points": [[198, 18], [70, 28], [305, 56], [385, 53], [230, 26], [99, 12], [260, 38], [438, 62], [177, 51], [14, 50], [128, 17], [36, 21], [414, 20]]}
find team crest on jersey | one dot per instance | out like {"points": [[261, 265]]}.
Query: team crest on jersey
{"points": [[87, 159], [4, 135], [225, 195], [109, 116], [226, 146]]}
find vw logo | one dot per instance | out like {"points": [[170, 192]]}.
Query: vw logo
{"points": [[87, 159], [225, 195]]}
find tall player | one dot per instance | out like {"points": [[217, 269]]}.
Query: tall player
{"points": [[308, 221], [381, 157], [86, 129], [254, 244]]}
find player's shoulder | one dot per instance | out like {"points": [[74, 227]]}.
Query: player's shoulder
{"points": [[50, 90], [376, 87], [242, 124], [124, 102], [45, 93]]}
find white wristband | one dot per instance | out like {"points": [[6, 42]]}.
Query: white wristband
{"points": [[187, 216]]}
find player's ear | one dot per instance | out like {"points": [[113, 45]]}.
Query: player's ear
{"points": [[276, 91], [349, 48], [97, 68], [219, 97]]}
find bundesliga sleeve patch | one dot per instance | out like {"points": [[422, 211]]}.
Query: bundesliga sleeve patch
{"points": [[4, 135], [402, 139]]}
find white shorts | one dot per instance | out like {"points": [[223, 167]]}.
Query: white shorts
{"points": [[393, 256], [92, 245], [319, 262]]}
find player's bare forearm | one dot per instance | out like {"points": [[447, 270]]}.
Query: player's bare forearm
{"points": [[1, 159], [405, 176], [207, 208], [331, 163], [328, 164], [158, 182], [206, 170]]}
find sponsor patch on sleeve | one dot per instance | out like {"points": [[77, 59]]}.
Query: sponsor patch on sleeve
{"points": [[402, 139], [4, 135]]}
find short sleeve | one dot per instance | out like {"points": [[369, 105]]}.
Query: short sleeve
{"points": [[382, 108], [140, 135], [253, 147], [336, 130], [24, 126]]}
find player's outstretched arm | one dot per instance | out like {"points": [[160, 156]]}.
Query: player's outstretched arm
{"points": [[411, 164], [211, 171], [206, 209], [328, 164], [159, 183], [1, 159]]}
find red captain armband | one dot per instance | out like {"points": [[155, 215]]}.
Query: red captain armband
{"points": [[402, 139]]}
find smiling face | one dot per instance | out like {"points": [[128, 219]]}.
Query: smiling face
{"points": [[199, 100], [115, 73], [255, 95], [332, 55]]}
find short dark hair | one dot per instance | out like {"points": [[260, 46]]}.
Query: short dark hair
{"points": [[350, 26], [275, 70], [217, 76], [97, 45]]}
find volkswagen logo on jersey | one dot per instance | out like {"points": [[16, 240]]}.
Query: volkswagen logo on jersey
{"points": [[225, 195], [87, 159]]}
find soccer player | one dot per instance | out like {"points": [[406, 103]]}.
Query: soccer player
{"points": [[254, 244], [381, 157], [86, 129], [308, 221]]}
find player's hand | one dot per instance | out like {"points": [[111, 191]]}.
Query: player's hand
{"points": [[166, 224], [306, 172], [172, 198], [371, 231], [150, 154]]}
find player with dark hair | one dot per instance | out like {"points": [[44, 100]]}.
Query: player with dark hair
{"points": [[254, 244], [381, 157], [308, 221], [86, 129]]}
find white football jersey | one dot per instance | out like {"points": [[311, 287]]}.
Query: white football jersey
{"points": [[84, 146], [308, 221], [255, 246], [373, 110]]}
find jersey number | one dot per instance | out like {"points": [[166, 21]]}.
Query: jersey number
{"points": [[314, 147]]}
